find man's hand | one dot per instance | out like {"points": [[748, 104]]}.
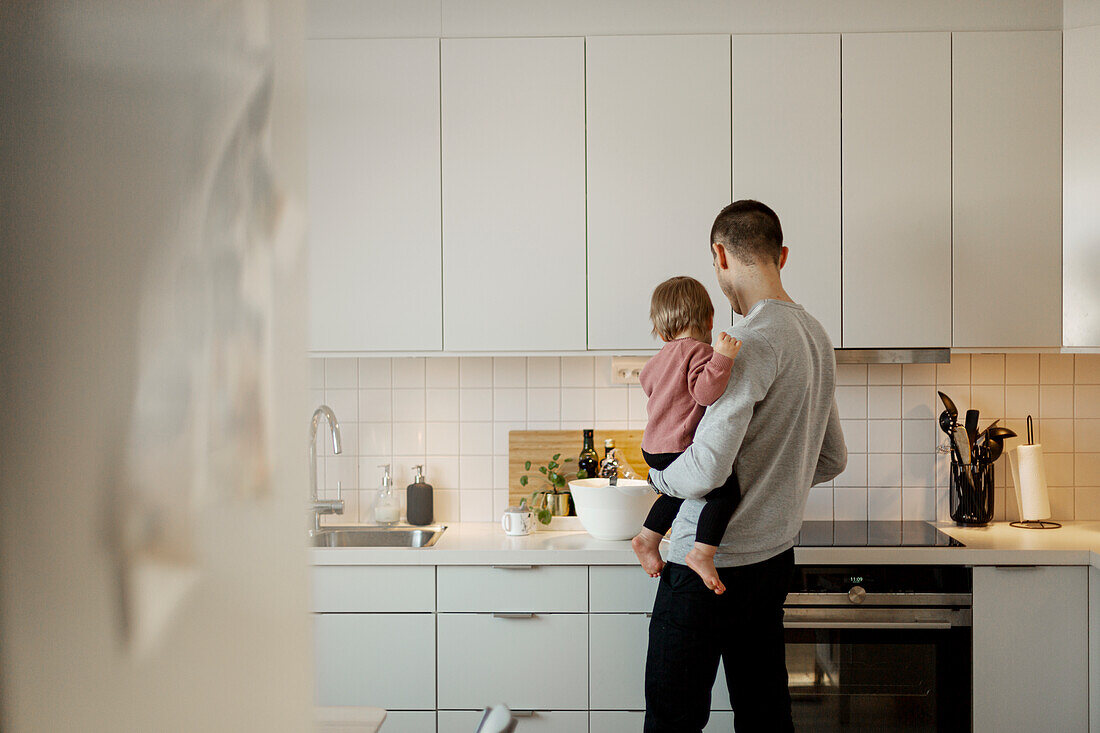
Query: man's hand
{"points": [[727, 345]]}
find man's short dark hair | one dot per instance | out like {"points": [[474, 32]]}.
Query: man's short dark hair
{"points": [[749, 231]]}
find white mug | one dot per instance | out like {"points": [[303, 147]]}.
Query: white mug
{"points": [[518, 522]]}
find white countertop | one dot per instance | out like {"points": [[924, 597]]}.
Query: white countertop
{"points": [[1075, 543]]}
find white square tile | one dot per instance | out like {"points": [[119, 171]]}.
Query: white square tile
{"points": [[943, 470], [1062, 504], [602, 425], [989, 401], [577, 424], [408, 372], [1086, 435], [1056, 369], [956, 372], [477, 404], [852, 402], [918, 469], [341, 373], [851, 374], [441, 405], [855, 473], [316, 399], [345, 403], [578, 371], [1086, 369], [884, 469], [402, 470], [612, 404], [850, 505], [500, 435], [543, 371], [408, 405], [603, 372], [1086, 469], [446, 506], [500, 503], [884, 436], [441, 372], [918, 504], [475, 472], [919, 436], [375, 405], [555, 425], [370, 475], [343, 470], [1086, 400], [543, 403], [441, 472], [884, 504], [475, 372], [375, 438], [507, 404], [476, 439], [987, 369], [918, 374], [855, 435], [884, 402], [1060, 467], [476, 506], [1086, 503], [819, 504], [884, 374], [316, 373], [1021, 369], [920, 403], [442, 439], [1021, 401], [375, 372], [510, 371], [578, 404], [1056, 400], [636, 404], [500, 473]]}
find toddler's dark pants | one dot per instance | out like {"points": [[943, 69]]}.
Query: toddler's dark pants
{"points": [[713, 519]]}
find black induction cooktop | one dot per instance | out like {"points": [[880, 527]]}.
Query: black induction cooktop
{"points": [[872, 534]]}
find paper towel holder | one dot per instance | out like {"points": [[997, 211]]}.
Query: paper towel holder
{"points": [[1035, 523]]}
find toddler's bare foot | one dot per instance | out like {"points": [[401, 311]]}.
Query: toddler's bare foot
{"points": [[646, 546], [701, 559]]}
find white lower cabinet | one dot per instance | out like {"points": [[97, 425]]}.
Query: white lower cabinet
{"points": [[409, 721], [530, 721], [527, 661], [1031, 642], [378, 659], [601, 721]]}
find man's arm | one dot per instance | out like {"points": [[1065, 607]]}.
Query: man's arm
{"points": [[708, 461], [834, 453]]}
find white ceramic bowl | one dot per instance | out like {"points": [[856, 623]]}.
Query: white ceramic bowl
{"points": [[612, 512]]}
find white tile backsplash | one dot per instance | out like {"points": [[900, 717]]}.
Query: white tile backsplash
{"points": [[454, 415]]}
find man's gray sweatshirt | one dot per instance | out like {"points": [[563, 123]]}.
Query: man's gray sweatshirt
{"points": [[776, 426]]}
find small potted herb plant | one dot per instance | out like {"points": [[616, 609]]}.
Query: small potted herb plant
{"points": [[552, 501]]}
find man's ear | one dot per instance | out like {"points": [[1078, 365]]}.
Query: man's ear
{"points": [[719, 253], [783, 256]]}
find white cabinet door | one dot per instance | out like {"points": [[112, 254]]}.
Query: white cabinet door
{"points": [[1031, 649], [1006, 202], [528, 721], [529, 663], [378, 659], [517, 588], [373, 588], [786, 153], [513, 194], [374, 221], [896, 151], [659, 171], [1081, 213]]}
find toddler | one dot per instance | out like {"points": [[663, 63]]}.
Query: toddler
{"points": [[684, 378]]}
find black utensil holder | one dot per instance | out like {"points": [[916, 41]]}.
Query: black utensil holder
{"points": [[971, 494]]}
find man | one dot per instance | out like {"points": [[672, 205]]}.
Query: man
{"points": [[777, 427]]}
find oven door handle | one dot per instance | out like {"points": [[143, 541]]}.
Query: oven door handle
{"points": [[931, 619]]}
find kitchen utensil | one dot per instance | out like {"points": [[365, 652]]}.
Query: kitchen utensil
{"points": [[946, 423], [961, 442], [972, 427], [996, 443], [612, 512], [949, 406]]}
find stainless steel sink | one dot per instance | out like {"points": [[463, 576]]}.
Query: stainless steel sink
{"points": [[377, 536]]}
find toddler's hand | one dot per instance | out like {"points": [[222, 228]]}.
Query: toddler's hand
{"points": [[727, 345]]}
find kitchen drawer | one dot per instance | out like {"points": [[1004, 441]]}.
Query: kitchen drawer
{"points": [[380, 659], [617, 654], [373, 589], [620, 589], [600, 721], [539, 721], [409, 721], [520, 588], [531, 663]]}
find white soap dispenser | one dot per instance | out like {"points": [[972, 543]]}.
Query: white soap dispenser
{"points": [[386, 508]]}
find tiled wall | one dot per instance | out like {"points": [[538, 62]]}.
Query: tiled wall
{"points": [[453, 415]]}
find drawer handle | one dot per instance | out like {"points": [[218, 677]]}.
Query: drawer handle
{"points": [[523, 713], [513, 567], [513, 615], [1017, 567]]}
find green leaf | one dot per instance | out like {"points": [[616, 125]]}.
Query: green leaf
{"points": [[552, 465], [544, 516], [556, 456], [567, 460], [582, 473], [542, 469], [527, 466], [523, 480], [555, 478]]}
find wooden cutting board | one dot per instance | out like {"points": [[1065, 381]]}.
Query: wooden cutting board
{"points": [[539, 446]]}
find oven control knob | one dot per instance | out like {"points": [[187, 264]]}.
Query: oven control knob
{"points": [[857, 594]]}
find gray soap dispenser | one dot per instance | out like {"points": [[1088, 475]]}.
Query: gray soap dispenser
{"points": [[418, 498]]}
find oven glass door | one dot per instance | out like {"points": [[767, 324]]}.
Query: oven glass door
{"points": [[881, 679]]}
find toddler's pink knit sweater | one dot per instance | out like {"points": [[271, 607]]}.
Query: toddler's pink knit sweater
{"points": [[683, 378]]}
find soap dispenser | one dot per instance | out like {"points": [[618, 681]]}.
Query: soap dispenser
{"points": [[386, 508], [418, 499]]}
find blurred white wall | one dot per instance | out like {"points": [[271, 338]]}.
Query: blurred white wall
{"points": [[130, 131]]}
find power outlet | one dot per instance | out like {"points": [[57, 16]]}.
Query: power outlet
{"points": [[627, 369]]}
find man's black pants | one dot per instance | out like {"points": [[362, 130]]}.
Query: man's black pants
{"points": [[692, 628]]}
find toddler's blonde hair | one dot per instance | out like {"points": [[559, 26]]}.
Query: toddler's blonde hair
{"points": [[681, 304]]}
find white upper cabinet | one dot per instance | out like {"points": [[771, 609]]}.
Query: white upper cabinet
{"points": [[513, 194], [786, 153], [1006, 193], [659, 171], [374, 220], [896, 147]]}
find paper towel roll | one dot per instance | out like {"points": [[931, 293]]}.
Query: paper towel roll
{"points": [[1030, 477]]}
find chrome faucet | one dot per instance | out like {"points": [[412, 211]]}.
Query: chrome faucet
{"points": [[319, 506]]}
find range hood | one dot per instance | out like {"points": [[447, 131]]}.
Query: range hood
{"points": [[893, 356]]}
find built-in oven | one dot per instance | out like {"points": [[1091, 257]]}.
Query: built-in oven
{"points": [[884, 648]]}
